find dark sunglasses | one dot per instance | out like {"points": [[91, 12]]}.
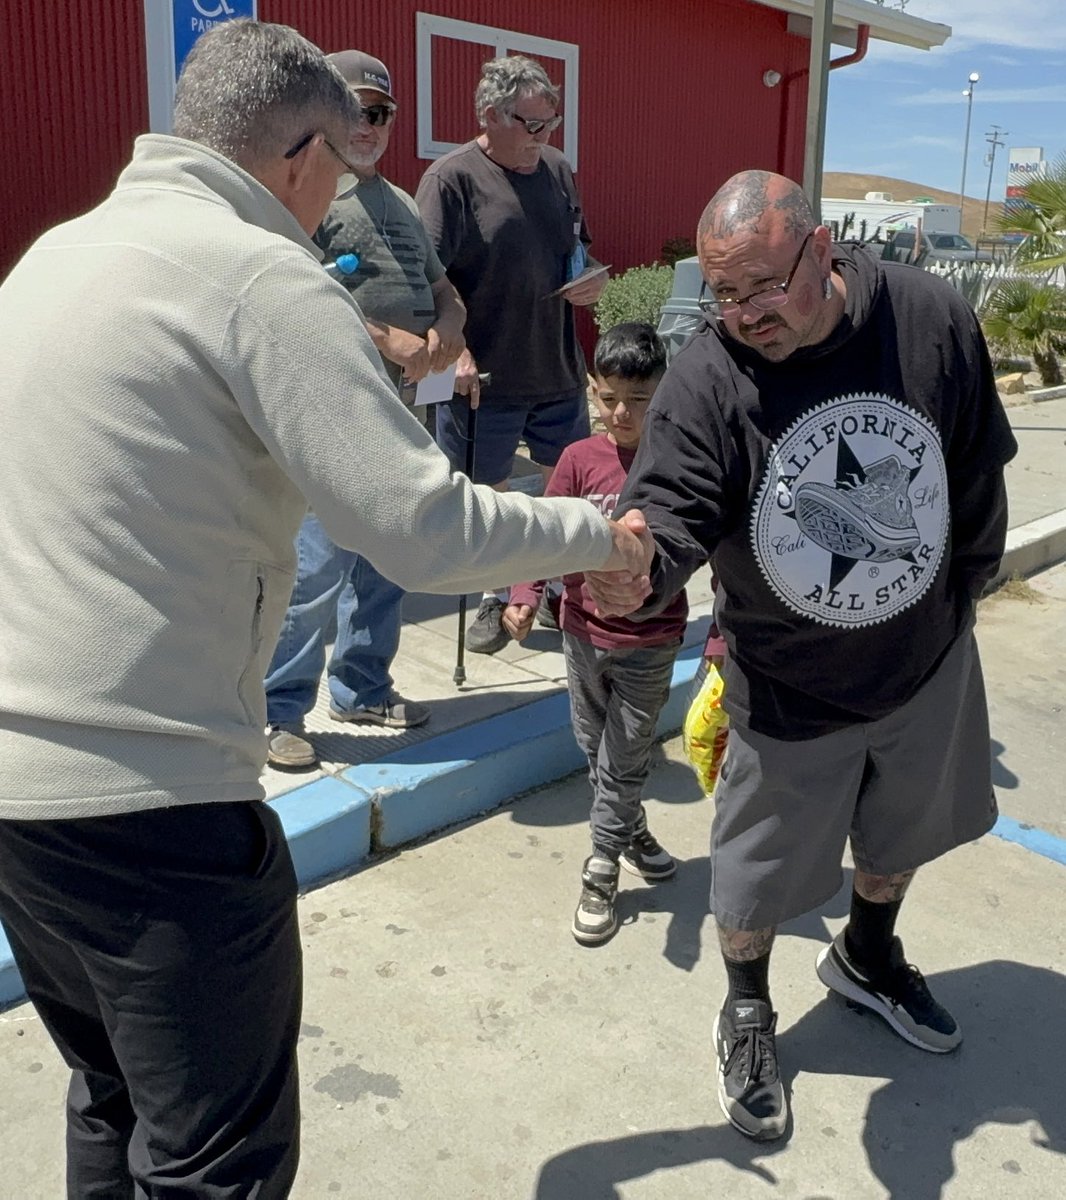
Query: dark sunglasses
{"points": [[535, 126], [378, 114]]}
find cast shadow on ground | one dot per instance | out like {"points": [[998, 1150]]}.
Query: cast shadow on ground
{"points": [[1002, 776], [1005, 1073], [1008, 1071], [594, 1171]]}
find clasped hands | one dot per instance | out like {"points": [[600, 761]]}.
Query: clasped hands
{"points": [[619, 587], [622, 584]]}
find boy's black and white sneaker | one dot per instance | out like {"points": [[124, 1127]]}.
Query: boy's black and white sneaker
{"points": [[485, 634], [595, 919], [898, 994], [644, 856], [750, 1091]]}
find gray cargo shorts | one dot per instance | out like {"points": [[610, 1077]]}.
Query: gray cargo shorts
{"points": [[905, 789]]}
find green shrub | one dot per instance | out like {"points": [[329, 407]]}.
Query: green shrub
{"points": [[635, 295]]}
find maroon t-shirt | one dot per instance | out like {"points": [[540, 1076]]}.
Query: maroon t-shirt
{"points": [[595, 470]]}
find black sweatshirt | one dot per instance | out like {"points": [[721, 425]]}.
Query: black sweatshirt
{"points": [[851, 496]]}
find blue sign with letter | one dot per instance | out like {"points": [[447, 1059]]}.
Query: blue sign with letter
{"points": [[193, 17]]}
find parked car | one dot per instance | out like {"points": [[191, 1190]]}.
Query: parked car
{"points": [[935, 247]]}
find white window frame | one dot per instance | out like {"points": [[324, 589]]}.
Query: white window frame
{"points": [[429, 25]]}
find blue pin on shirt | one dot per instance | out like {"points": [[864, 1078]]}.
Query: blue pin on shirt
{"points": [[343, 266]]}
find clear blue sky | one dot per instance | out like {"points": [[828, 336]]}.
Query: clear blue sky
{"points": [[901, 112]]}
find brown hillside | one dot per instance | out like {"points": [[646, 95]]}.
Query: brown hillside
{"points": [[845, 185]]}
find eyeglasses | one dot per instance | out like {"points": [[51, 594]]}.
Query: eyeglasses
{"points": [[378, 114], [762, 301], [346, 180], [534, 125]]}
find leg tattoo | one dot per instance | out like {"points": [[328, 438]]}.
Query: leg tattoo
{"points": [[742, 945], [882, 889]]}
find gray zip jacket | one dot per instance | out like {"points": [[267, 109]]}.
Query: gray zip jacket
{"points": [[179, 379]]}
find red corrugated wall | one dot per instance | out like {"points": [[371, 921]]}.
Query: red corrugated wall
{"points": [[671, 96], [73, 98], [671, 100]]}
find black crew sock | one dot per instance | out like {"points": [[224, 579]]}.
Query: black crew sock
{"points": [[871, 928], [748, 980]]}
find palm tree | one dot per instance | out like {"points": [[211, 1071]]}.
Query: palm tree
{"points": [[1029, 317], [1042, 220]]}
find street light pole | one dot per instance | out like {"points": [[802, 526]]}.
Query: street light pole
{"points": [[992, 138], [974, 77]]}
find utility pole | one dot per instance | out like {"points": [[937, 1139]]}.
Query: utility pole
{"points": [[992, 138], [817, 97]]}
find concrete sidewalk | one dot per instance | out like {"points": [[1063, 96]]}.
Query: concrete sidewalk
{"points": [[507, 729], [458, 1044]]}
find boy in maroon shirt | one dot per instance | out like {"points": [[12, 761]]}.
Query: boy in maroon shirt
{"points": [[618, 671]]}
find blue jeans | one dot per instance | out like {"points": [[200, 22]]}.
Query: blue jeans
{"points": [[336, 591], [548, 426]]}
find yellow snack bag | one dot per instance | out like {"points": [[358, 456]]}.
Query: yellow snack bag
{"points": [[706, 730]]}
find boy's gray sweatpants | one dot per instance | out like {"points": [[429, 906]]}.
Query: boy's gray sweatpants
{"points": [[615, 700]]}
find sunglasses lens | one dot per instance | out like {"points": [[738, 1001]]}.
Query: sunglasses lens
{"points": [[378, 114]]}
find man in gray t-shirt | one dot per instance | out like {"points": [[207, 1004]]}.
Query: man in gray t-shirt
{"points": [[416, 320], [504, 214]]}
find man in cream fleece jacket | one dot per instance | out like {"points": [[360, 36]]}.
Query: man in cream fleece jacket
{"points": [[179, 379]]}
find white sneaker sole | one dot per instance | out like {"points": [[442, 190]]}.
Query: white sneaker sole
{"points": [[843, 986], [292, 764], [634, 870], [588, 938], [364, 717], [764, 1133]]}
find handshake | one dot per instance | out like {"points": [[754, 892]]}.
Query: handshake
{"points": [[619, 587]]}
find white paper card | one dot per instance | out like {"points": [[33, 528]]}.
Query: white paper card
{"points": [[437, 387]]}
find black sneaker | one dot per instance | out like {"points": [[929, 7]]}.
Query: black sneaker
{"points": [[485, 634], [644, 856], [750, 1091], [899, 995], [595, 920]]}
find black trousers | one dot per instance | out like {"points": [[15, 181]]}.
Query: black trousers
{"points": [[162, 953]]}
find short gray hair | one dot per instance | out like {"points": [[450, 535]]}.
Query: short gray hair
{"points": [[505, 81], [251, 90]]}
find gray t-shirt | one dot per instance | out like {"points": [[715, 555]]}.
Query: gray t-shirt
{"points": [[505, 239], [397, 261]]}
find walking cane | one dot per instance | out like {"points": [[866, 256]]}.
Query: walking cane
{"points": [[459, 675]]}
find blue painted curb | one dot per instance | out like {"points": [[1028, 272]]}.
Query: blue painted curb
{"points": [[458, 775], [1045, 844], [327, 825], [11, 989]]}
